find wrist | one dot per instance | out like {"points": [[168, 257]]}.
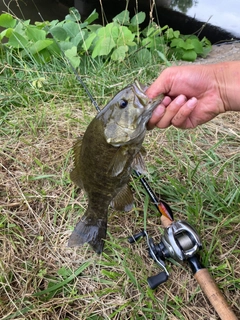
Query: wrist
{"points": [[227, 76]]}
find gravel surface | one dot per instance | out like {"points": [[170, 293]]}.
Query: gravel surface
{"points": [[224, 52]]}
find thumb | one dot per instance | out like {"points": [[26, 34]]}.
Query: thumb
{"points": [[161, 85]]}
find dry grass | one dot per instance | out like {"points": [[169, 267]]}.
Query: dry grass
{"points": [[197, 172]]}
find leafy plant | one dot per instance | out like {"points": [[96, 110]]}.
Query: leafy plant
{"points": [[118, 39]]}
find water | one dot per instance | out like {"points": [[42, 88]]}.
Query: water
{"points": [[221, 13]]}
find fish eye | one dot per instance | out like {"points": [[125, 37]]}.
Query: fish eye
{"points": [[123, 103]]}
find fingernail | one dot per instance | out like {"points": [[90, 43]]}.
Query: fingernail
{"points": [[159, 111], [192, 102], [180, 100]]}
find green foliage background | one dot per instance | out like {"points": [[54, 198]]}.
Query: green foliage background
{"points": [[116, 41]]}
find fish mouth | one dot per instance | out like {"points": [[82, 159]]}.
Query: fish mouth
{"points": [[142, 100]]}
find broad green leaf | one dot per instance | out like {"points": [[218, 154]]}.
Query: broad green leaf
{"points": [[6, 33], [188, 45], [7, 21], [78, 38], [33, 33], [73, 15], [197, 46], [178, 43], [65, 45], [40, 45], [126, 37], [119, 53], [92, 17], [87, 43], [143, 55], [94, 27], [103, 47], [111, 30], [59, 33], [73, 57], [72, 28], [16, 40], [138, 18], [122, 18], [189, 55]]}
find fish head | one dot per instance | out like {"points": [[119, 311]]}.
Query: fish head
{"points": [[125, 116]]}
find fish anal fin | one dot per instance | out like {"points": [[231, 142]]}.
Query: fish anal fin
{"points": [[138, 163], [123, 201]]}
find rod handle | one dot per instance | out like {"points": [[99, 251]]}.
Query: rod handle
{"points": [[214, 295]]}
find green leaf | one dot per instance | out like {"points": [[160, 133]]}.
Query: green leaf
{"points": [[16, 40], [178, 43], [7, 21], [72, 28], [59, 33], [188, 45], [92, 17], [189, 55], [40, 45], [119, 53], [73, 15], [103, 47], [33, 33], [87, 43], [73, 57], [122, 18], [198, 47], [143, 55], [78, 38], [138, 18], [126, 37]]}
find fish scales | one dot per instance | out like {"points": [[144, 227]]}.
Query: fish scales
{"points": [[104, 158]]}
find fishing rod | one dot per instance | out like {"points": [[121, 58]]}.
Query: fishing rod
{"points": [[179, 238]]}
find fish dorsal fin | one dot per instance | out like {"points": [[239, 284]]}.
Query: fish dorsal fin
{"points": [[138, 163], [118, 162], [123, 201], [75, 173]]}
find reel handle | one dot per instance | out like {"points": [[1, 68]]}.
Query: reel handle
{"points": [[155, 281]]}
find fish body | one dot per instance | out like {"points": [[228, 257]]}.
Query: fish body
{"points": [[104, 158]]}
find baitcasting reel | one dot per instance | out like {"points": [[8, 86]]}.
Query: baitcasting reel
{"points": [[180, 242]]}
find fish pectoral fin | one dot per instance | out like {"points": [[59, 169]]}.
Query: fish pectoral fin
{"points": [[138, 163], [118, 162], [75, 173], [123, 201]]}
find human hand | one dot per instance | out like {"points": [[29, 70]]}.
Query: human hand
{"points": [[193, 96]]}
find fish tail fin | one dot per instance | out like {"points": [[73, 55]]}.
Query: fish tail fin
{"points": [[90, 229]]}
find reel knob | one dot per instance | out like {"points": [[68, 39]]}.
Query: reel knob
{"points": [[155, 281]]}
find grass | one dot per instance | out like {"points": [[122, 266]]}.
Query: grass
{"points": [[43, 110]]}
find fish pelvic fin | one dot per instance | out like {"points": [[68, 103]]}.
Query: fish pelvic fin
{"points": [[138, 163], [123, 201], [90, 229]]}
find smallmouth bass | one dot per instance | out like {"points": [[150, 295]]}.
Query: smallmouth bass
{"points": [[103, 159]]}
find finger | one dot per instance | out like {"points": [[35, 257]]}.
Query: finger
{"points": [[182, 118], [171, 111], [158, 112]]}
